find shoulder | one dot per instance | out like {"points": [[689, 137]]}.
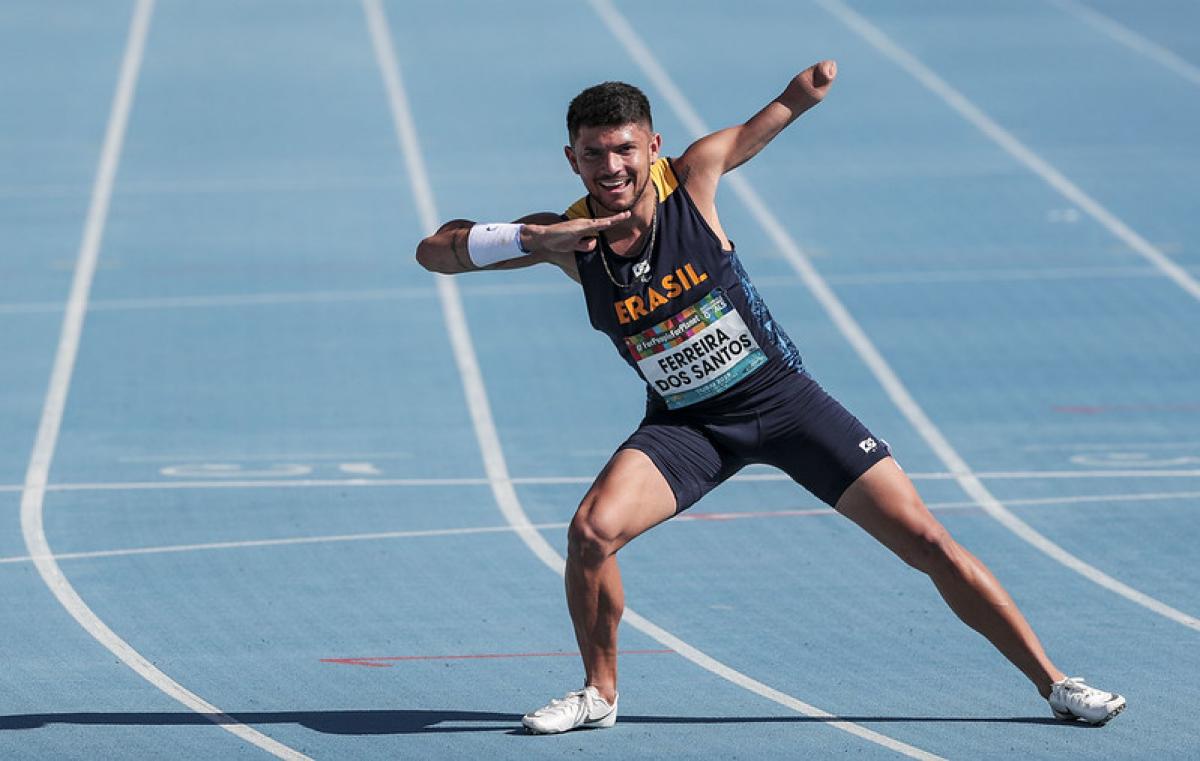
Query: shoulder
{"points": [[578, 210], [666, 180]]}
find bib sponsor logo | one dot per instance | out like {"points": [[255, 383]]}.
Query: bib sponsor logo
{"points": [[698, 353]]}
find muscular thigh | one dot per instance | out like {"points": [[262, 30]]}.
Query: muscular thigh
{"points": [[810, 436], [628, 497], [884, 502], [663, 467], [688, 457]]}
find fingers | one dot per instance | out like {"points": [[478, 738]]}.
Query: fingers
{"points": [[824, 73], [603, 223], [572, 235]]}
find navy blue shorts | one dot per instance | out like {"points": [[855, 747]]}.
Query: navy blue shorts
{"points": [[790, 423]]}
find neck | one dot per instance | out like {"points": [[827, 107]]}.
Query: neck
{"points": [[646, 207], [623, 239]]}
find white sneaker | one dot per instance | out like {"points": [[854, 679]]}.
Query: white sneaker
{"points": [[584, 708], [1071, 699]]}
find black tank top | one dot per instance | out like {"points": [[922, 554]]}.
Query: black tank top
{"points": [[694, 327]]}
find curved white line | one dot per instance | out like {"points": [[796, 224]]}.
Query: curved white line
{"points": [[1133, 40], [1014, 147], [888, 378], [485, 429], [33, 495], [854, 333]]}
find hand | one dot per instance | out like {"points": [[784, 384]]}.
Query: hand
{"points": [[569, 236], [824, 73], [817, 78]]}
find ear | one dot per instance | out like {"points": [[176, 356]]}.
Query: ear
{"points": [[570, 154], [655, 146]]}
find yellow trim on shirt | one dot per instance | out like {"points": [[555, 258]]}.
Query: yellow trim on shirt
{"points": [[664, 178], [578, 209]]}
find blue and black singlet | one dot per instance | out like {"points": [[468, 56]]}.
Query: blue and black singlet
{"points": [[725, 384], [697, 329]]}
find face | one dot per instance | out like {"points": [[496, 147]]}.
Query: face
{"points": [[614, 163]]}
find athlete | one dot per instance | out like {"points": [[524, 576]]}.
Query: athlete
{"points": [[725, 385]]}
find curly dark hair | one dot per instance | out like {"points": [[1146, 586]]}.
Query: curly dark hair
{"points": [[609, 104]]}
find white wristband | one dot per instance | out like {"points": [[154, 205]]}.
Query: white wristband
{"points": [[494, 242]]}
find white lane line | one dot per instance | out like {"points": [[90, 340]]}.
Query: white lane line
{"points": [[214, 185], [485, 428], [857, 337], [1011, 144], [194, 458], [999, 475], [1132, 39], [322, 483], [508, 290], [285, 542], [37, 474], [264, 299], [1183, 446], [1082, 499], [282, 298], [279, 483], [934, 277], [228, 300], [508, 529]]}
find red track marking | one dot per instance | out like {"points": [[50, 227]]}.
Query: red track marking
{"points": [[386, 661]]}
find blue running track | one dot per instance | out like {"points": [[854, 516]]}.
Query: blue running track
{"points": [[270, 488]]}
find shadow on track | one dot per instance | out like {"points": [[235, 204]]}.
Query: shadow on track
{"points": [[400, 722]]}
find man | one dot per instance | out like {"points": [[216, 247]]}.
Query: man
{"points": [[725, 385]]}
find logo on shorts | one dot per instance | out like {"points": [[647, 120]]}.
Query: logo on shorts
{"points": [[868, 445]]}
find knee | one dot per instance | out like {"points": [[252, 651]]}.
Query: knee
{"points": [[590, 538], [933, 551]]}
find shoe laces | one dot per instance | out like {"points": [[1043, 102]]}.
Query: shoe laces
{"points": [[567, 703], [1075, 690]]}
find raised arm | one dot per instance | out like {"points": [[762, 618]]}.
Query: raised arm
{"points": [[544, 235], [702, 164]]}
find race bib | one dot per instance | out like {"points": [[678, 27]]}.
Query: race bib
{"points": [[698, 353]]}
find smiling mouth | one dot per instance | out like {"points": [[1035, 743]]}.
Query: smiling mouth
{"points": [[615, 185]]}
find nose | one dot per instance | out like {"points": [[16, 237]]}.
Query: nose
{"points": [[612, 163]]}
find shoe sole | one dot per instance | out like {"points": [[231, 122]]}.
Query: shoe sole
{"points": [[604, 722], [1111, 715], [1061, 716]]}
